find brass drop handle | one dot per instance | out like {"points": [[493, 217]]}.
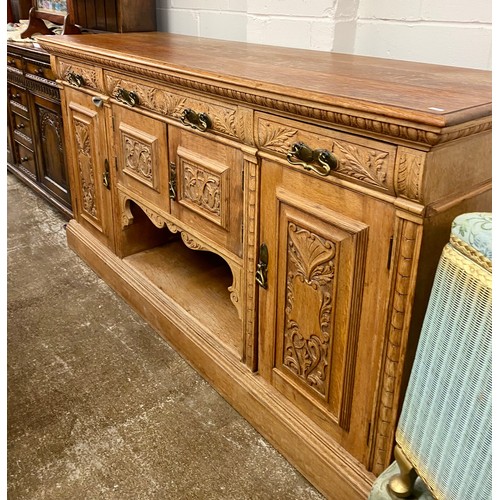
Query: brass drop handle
{"points": [[17, 95], [19, 126], [128, 97], [320, 161], [39, 71], [24, 159], [75, 79], [11, 62], [105, 175], [200, 121], [261, 273]]}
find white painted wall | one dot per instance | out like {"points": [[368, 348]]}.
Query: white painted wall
{"points": [[450, 32]]}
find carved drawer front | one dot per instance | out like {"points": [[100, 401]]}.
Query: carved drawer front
{"points": [[312, 148], [18, 100], [141, 150], [79, 75], [203, 114], [27, 160], [22, 130], [39, 70], [207, 191]]}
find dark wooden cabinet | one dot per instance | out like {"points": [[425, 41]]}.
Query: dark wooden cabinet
{"points": [[115, 15], [36, 152]]}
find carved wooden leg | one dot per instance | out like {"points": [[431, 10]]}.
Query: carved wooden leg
{"points": [[402, 484]]}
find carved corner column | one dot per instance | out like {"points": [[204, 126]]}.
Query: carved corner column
{"points": [[407, 242], [250, 241]]}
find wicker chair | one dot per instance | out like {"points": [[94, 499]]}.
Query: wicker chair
{"points": [[445, 430]]}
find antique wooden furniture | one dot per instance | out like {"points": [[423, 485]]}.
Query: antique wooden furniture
{"points": [[105, 15], [277, 215], [34, 124]]}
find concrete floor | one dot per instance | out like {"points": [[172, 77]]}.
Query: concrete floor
{"points": [[99, 407]]}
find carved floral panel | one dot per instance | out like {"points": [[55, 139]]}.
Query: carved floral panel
{"points": [[85, 168], [138, 159], [204, 188], [311, 263]]}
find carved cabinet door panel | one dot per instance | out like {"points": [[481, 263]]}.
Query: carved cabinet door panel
{"points": [[52, 171], [89, 166], [322, 314], [140, 144], [207, 187]]}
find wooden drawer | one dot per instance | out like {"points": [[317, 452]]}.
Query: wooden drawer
{"points": [[358, 159], [39, 69], [27, 160], [80, 75], [207, 115], [14, 62], [22, 130], [18, 100]]}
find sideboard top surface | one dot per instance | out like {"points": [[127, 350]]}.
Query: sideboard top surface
{"points": [[430, 94]]}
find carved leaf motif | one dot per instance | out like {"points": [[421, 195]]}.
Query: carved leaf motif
{"points": [[312, 255], [275, 137], [366, 165], [409, 176], [223, 120]]}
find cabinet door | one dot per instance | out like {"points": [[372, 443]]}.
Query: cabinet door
{"points": [[88, 164], [322, 314], [51, 165], [140, 144], [207, 175]]}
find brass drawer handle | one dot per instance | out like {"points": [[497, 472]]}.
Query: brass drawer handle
{"points": [[127, 97], [19, 126], [24, 159], [199, 121], [75, 79], [11, 62], [320, 161], [17, 95], [39, 71]]}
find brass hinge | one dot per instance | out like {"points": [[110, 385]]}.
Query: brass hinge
{"points": [[105, 175], [261, 273], [389, 256]]}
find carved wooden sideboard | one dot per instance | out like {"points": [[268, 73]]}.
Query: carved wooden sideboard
{"points": [[34, 125], [277, 216]]}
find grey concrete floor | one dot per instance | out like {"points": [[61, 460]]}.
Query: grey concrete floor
{"points": [[99, 406]]}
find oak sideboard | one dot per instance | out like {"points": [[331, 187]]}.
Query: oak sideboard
{"points": [[277, 216]]}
